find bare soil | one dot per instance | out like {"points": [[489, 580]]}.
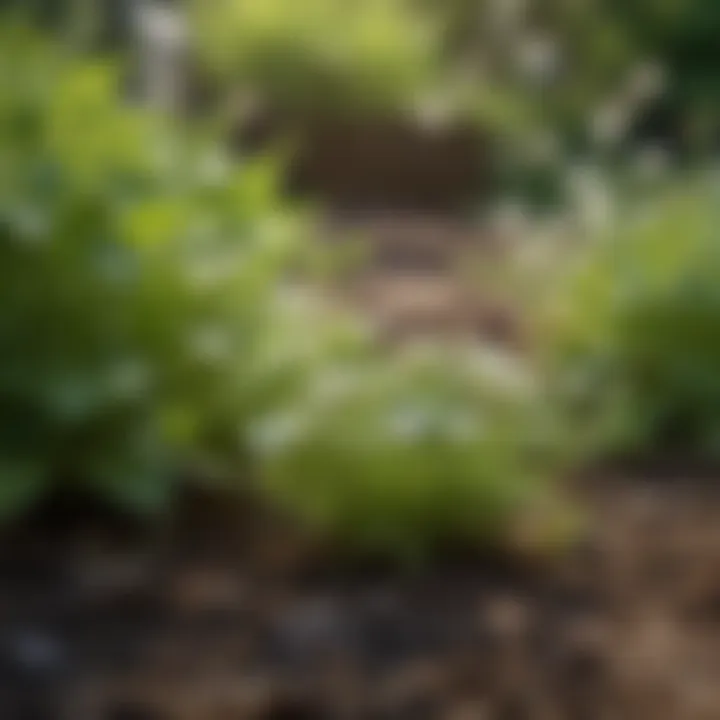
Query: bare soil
{"points": [[218, 616]]}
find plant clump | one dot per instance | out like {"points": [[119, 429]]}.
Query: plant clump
{"points": [[631, 327]]}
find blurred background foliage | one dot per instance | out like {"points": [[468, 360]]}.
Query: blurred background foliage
{"points": [[543, 78], [321, 55], [547, 82]]}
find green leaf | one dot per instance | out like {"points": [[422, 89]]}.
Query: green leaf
{"points": [[22, 483]]}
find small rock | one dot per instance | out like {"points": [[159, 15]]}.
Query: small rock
{"points": [[35, 653], [316, 626]]}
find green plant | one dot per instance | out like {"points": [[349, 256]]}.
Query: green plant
{"points": [[632, 326], [148, 322], [320, 54], [402, 456], [137, 275]]}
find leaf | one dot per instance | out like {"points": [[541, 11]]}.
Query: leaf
{"points": [[141, 488], [22, 483]]}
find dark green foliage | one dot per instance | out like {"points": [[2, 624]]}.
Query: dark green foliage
{"points": [[683, 34], [634, 325]]}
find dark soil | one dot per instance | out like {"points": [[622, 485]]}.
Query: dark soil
{"points": [[218, 617], [377, 163]]}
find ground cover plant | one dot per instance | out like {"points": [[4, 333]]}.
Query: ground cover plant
{"points": [[632, 324], [423, 449]]}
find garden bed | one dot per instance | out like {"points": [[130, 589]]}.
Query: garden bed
{"points": [[217, 617], [223, 613]]}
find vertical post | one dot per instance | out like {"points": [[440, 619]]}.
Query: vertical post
{"points": [[161, 35]]}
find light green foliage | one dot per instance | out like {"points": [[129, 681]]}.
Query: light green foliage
{"points": [[425, 449], [320, 54], [136, 274], [634, 324]]}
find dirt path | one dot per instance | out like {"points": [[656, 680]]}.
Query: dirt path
{"points": [[418, 277]]}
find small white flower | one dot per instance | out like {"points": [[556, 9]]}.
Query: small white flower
{"points": [[214, 169], [652, 162], [510, 220], [210, 344], [545, 147], [33, 229], [463, 427], [409, 423], [157, 23], [499, 370], [647, 82], [277, 432], [129, 378], [209, 273], [433, 114], [610, 123], [506, 15], [539, 58], [332, 385], [594, 203]]}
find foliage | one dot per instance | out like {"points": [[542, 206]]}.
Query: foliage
{"points": [[320, 54], [683, 35], [632, 327], [136, 275], [563, 57], [150, 321], [401, 456]]}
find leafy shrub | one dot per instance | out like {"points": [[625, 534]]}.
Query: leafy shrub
{"points": [[402, 456], [137, 273], [633, 326], [320, 54], [147, 322]]}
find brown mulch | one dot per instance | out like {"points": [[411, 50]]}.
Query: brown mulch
{"points": [[217, 617]]}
